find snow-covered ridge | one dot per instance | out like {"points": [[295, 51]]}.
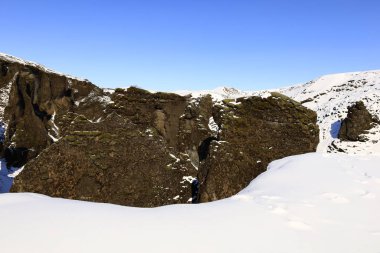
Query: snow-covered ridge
{"points": [[10, 58]]}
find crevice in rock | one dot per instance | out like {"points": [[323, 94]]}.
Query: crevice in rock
{"points": [[29, 89], [4, 70], [68, 93], [203, 149], [203, 153], [41, 114], [20, 100]]}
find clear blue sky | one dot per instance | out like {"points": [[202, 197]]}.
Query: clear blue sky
{"points": [[198, 44]]}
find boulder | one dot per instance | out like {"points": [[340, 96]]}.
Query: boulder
{"points": [[253, 132], [358, 120]]}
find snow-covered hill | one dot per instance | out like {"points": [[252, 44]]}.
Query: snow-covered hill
{"points": [[307, 203], [330, 95]]}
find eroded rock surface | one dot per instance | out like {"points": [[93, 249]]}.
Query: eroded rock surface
{"points": [[254, 131]]}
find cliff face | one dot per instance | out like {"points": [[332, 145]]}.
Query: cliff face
{"points": [[31, 98], [137, 148], [254, 131]]}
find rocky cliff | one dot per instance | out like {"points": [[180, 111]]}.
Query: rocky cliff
{"points": [[133, 147]]}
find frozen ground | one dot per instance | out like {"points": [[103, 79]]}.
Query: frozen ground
{"points": [[307, 203]]}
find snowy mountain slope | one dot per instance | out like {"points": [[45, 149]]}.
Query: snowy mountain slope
{"points": [[307, 203], [330, 95]]}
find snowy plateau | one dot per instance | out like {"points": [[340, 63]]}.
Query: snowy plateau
{"points": [[327, 201]]}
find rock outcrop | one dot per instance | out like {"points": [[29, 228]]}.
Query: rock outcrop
{"points": [[358, 120], [31, 98], [133, 147], [253, 132]]}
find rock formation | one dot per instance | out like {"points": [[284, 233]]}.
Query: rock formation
{"points": [[133, 147], [358, 120], [254, 131]]}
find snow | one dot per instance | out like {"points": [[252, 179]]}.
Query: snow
{"points": [[307, 203], [213, 126], [55, 136], [95, 97], [175, 158]]}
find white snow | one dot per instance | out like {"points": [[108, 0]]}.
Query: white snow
{"points": [[55, 135], [308, 203], [175, 158], [94, 96], [213, 126], [188, 179]]}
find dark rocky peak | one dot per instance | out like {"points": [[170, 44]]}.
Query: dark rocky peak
{"points": [[358, 120]]}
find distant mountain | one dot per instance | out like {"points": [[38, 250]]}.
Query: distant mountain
{"points": [[219, 93]]}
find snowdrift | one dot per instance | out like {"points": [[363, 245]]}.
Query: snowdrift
{"points": [[307, 203]]}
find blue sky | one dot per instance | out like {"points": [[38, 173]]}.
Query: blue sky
{"points": [[199, 44]]}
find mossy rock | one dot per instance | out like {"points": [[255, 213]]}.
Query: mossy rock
{"points": [[86, 133], [137, 91], [286, 98]]}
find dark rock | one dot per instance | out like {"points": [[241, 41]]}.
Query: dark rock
{"points": [[358, 120], [137, 148], [254, 131], [16, 157]]}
